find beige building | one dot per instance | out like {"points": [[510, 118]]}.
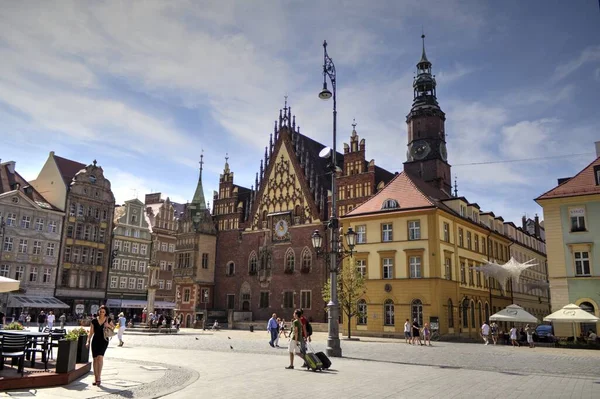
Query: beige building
{"points": [[30, 230], [84, 194]]}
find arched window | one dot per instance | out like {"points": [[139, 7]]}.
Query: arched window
{"points": [[290, 260], [389, 204], [230, 269], [416, 308], [253, 263], [450, 314], [586, 327], [479, 314], [465, 313], [388, 310], [472, 305], [306, 260], [487, 312], [362, 312]]}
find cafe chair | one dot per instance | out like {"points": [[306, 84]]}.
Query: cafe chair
{"points": [[35, 347], [54, 338], [13, 346]]}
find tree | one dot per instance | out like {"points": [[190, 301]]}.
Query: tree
{"points": [[351, 287]]}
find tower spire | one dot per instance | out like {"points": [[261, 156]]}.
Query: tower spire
{"points": [[423, 55], [455, 187], [198, 199]]}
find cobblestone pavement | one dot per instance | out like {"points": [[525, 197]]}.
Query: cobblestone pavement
{"points": [[203, 364]]}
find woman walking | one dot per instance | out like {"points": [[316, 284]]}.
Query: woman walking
{"points": [[427, 334], [122, 322], [513, 336], [99, 343]]}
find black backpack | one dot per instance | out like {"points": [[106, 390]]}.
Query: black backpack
{"points": [[308, 329]]}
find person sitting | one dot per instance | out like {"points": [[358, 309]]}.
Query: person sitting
{"points": [[592, 337], [215, 325]]}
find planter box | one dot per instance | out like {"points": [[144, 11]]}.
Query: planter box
{"points": [[67, 356], [83, 353]]}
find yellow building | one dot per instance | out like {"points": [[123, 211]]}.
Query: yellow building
{"points": [[572, 220], [417, 253]]}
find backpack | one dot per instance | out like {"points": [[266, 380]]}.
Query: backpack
{"points": [[308, 329]]}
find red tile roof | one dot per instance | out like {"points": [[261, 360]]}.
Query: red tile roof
{"points": [[584, 183], [8, 181], [68, 169], [410, 192]]}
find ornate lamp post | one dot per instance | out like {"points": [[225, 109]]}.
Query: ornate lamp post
{"points": [[205, 313]]}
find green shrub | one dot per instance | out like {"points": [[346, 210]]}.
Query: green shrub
{"points": [[80, 331], [13, 326], [72, 335]]}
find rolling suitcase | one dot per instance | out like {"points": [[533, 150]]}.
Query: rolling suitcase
{"points": [[312, 360], [324, 360]]}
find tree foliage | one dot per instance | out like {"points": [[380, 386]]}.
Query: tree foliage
{"points": [[351, 287]]}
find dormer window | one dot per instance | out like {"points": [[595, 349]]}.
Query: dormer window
{"points": [[390, 204]]}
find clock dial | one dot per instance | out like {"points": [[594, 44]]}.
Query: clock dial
{"points": [[443, 152], [420, 149], [281, 228]]}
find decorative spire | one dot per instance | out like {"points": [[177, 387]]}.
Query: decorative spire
{"points": [[354, 127], [226, 169], [423, 55], [198, 199], [455, 187]]}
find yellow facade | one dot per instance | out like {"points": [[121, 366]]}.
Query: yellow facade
{"points": [[432, 276]]}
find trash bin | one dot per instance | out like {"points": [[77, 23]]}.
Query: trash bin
{"points": [[251, 328]]}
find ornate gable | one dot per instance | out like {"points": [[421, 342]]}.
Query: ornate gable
{"points": [[284, 188]]}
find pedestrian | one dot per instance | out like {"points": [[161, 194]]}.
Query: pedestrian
{"points": [[41, 321], [272, 328], [122, 322], [427, 334], [407, 337], [494, 328], [415, 333], [63, 321], [278, 332], [295, 339], [485, 333], [529, 331], [305, 335], [28, 319], [513, 336], [282, 329], [2, 321], [99, 343], [50, 320]]}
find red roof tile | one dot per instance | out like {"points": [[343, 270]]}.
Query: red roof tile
{"points": [[584, 183], [68, 169], [408, 191]]}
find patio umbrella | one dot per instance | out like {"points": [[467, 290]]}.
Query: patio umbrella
{"points": [[8, 284], [514, 313], [571, 313]]}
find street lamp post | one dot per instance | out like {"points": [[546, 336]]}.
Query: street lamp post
{"points": [[333, 340], [205, 313]]}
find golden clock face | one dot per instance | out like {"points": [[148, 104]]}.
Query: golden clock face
{"points": [[281, 228]]}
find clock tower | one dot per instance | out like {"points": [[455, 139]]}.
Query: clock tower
{"points": [[427, 157]]}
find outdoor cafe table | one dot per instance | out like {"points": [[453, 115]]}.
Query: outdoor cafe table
{"points": [[32, 338]]}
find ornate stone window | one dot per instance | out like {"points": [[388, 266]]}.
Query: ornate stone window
{"points": [[388, 311], [290, 261], [306, 260], [253, 263]]}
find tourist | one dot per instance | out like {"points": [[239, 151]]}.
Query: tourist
{"points": [[41, 321], [272, 328], [529, 331], [415, 333], [407, 337], [513, 336], [63, 321], [50, 320], [122, 323], [2, 321], [28, 319], [296, 336], [427, 334], [282, 328], [485, 333], [99, 343], [494, 328]]}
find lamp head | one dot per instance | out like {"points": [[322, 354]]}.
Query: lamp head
{"points": [[325, 94], [351, 238], [317, 240]]}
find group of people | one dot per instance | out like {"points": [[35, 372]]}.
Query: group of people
{"points": [[493, 331], [44, 320], [299, 335], [413, 333]]}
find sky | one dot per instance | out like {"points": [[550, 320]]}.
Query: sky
{"points": [[145, 87]]}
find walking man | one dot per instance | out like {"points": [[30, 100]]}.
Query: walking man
{"points": [[41, 321], [51, 319], [407, 338], [485, 332], [273, 329]]}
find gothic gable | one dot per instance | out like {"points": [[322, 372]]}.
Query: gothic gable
{"points": [[284, 189]]}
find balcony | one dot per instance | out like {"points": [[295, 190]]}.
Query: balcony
{"points": [[188, 272]]}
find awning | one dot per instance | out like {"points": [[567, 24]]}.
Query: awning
{"points": [[24, 301], [137, 304], [8, 284]]}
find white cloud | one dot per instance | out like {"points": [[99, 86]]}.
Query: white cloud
{"points": [[457, 72], [126, 186], [589, 54]]}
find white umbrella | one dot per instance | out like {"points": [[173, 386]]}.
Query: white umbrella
{"points": [[8, 284], [571, 313], [514, 313]]}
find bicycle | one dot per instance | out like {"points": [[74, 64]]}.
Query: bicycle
{"points": [[435, 335]]}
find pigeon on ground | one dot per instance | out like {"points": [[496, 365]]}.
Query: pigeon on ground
{"points": [[230, 347], [228, 337], [196, 338]]}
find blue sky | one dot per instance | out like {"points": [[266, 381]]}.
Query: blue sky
{"points": [[144, 87]]}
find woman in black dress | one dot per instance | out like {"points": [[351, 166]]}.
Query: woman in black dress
{"points": [[99, 343]]}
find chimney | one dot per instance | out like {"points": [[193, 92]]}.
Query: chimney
{"points": [[597, 148], [536, 227], [11, 167], [524, 222]]}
